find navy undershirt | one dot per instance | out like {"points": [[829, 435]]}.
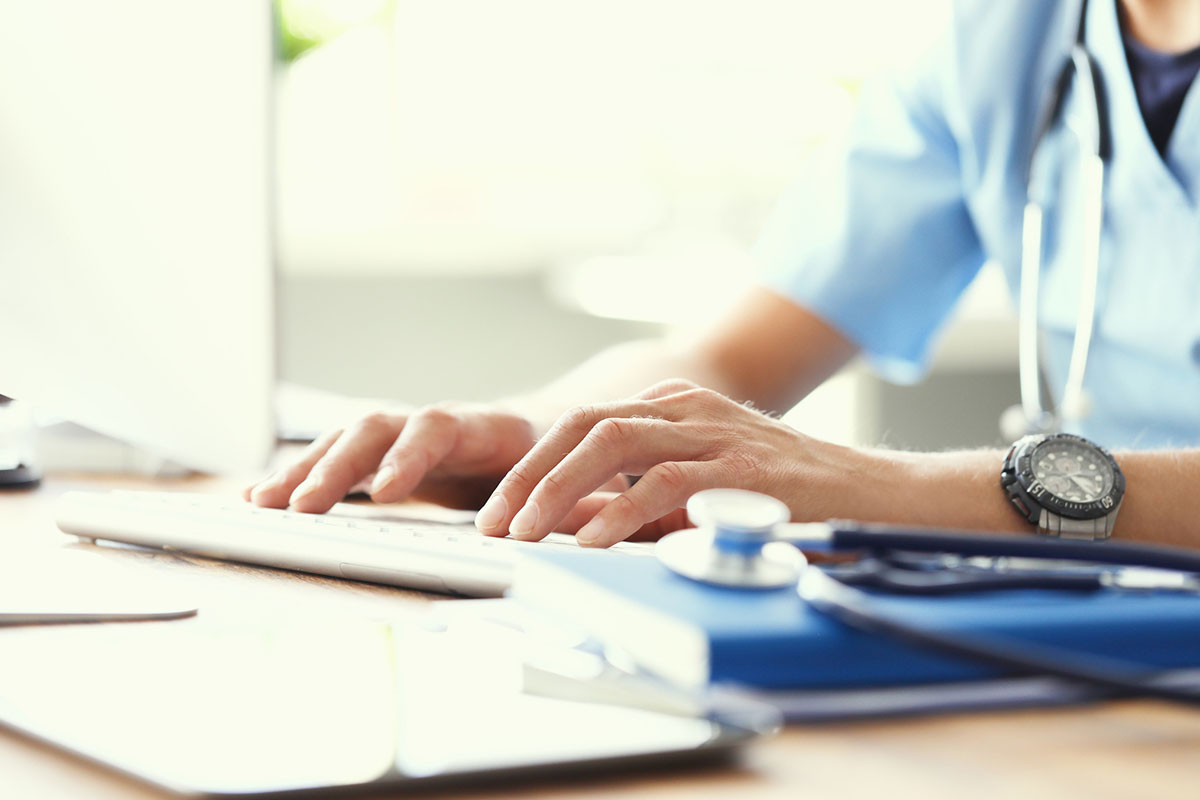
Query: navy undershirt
{"points": [[1162, 81]]}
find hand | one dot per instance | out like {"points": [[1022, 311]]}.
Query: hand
{"points": [[680, 439], [453, 454]]}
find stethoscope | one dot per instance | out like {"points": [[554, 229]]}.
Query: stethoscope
{"points": [[1087, 121], [745, 540]]}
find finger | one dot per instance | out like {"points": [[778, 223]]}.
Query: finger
{"points": [[275, 490], [427, 438], [666, 388], [613, 446], [584, 510], [354, 456], [674, 520], [588, 507], [663, 490], [514, 488]]}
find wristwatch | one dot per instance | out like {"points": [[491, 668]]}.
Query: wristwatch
{"points": [[1064, 484]]}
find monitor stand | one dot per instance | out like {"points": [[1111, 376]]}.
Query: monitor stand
{"points": [[21, 476]]}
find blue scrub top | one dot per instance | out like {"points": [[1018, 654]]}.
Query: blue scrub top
{"points": [[881, 240]]}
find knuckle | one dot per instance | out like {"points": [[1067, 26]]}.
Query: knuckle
{"points": [[520, 477], [672, 385], [437, 416], [701, 394], [553, 484], [612, 431], [625, 506], [578, 417], [645, 409], [694, 396], [740, 463], [669, 475], [376, 422]]}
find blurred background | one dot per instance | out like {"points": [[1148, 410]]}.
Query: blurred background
{"points": [[475, 195]]}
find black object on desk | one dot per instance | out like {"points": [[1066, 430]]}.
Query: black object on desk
{"points": [[22, 476], [19, 477]]}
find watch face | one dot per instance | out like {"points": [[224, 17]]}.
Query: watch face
{"points": [[1072, 470], [1064, 475]]}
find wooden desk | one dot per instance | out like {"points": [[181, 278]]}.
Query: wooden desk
{"points": [[1117, 750]]}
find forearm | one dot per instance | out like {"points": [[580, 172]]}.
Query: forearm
{"points": [[617, 372], [767, 351], [962, 490], [1162, 497]]}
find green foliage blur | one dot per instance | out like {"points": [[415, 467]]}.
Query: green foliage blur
{"points": [[307, 24], [292, 43]]}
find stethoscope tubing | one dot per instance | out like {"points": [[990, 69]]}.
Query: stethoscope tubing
{"points": [[858, 610], [1095, 140], [877, 573], [845, 536]]}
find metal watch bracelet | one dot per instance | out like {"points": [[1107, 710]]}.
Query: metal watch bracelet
{"points": [[1094, 529]]}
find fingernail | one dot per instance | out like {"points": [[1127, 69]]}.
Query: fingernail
{"points": [[302, 491], [522, 524], [492, 512], [382, 479], [591, 533]]}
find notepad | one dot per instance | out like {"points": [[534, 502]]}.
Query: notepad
{"points": [[694, 634], [66, 587]]}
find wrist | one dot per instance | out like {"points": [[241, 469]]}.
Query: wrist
{"points": [[886, 485], [954, 490], [832, 481]]}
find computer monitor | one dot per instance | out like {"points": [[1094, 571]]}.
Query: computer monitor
{"points": [[136, 266]]}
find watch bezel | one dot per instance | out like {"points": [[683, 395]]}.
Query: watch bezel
{"points": [[1020, 478]]}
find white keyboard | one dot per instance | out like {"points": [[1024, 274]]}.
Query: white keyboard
{"points": [[368, 543]]}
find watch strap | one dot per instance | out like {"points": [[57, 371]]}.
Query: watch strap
{"points": [[1051, 524]]}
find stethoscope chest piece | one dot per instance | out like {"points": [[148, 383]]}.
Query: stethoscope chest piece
{"points": [[734, 543]]}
